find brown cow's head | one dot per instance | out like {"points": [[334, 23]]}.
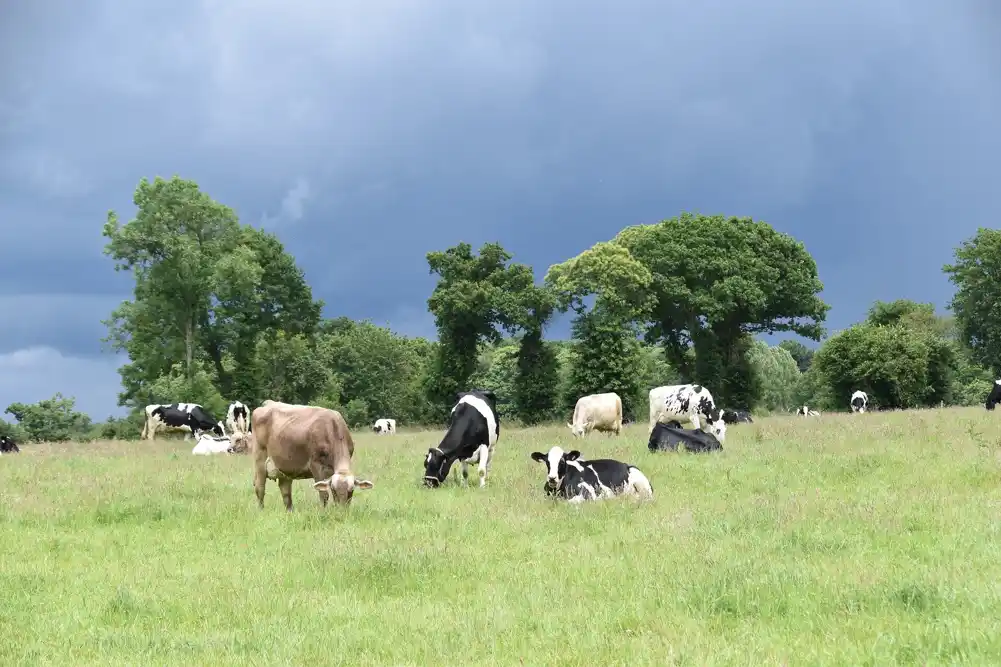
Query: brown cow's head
{"points": [[342, 486]]}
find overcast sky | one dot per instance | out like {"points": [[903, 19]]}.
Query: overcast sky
{"points": [[367, 133]]}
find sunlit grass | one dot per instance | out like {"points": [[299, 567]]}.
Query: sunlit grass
{"points": [[839, 540]]}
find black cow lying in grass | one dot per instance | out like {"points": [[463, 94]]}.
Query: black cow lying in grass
{"points": [[578, 481], [668, 436]]}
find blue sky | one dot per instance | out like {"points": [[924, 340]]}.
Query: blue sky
{"points": [[368, 133]]}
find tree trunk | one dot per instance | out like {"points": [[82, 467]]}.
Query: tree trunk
{"points": [[189, 347]]}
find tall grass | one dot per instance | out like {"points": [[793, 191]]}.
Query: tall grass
{"points": [[840, 540]]}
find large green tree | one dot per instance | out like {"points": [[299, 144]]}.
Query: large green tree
{"points": [[609, 291], [206, 289], [718, 280], [977, 301], [475, 298]]}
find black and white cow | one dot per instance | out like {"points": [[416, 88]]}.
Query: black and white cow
{"points": [[8, 446], [188, 417], [472, 433], [736, 416], [859, 401], [238, 418], [805, 411], [667, 437], [687, 402], [384, 426], [578, 481], [994, 397]]}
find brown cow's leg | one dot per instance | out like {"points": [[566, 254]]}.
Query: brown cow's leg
{"points": [[260, 479], [285, 484]]}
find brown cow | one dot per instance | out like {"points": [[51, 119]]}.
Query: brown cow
{"points": [[301, 441]]}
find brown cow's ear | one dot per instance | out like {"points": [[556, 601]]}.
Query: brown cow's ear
{"points": [[322, 485], [363, 484]]}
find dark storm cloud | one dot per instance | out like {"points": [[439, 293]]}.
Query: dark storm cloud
{"points": [[368, 134]]}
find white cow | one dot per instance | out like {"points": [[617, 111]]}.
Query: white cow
{"points": [[686, 402], [384, 426], [210, 444], [597, 412], [237, 417], [860, 400]]}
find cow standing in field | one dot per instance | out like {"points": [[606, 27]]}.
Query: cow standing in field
{"points": [[293, 442], [859, 401], [8, 446], [994, 397], [805, 411], [597, 412], [579, 481], [191, 418], [736, 416], [472, 434], [667, 437], [384, 426], [237, 418], [687, 402]]}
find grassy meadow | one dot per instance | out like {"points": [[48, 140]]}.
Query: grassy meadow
{"points": [[839, 540]]}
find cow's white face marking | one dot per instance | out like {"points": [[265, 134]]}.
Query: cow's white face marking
{"points": [[342, 487], [553, 459], [719, 430]]}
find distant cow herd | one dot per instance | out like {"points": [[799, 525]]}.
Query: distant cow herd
{"points": [[290, 442]]}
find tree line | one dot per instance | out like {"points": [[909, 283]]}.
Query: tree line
{"points": [[220, 311]]}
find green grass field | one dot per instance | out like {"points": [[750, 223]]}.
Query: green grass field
{"points": [[840, 540]]}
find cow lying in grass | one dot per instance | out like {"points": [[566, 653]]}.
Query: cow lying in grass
{"points": [[578, 481], [668, 436]]}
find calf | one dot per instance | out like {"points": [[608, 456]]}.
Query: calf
{"points": [[736, 416], [578, 481], [859, 401], [687, 402], [8, 446], [188, 417], [994, 397], [471, 437], [384, 426], [293, 442], [236, 418], [212, 444], [669, 436], [597, 412]]}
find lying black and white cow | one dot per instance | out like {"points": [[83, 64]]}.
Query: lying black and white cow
{"points": [[578, 481], [188, 417], [859, 401], [667, 437], [736, 416], [472, 433], [994, 397], [805, 411], [8, 446]]}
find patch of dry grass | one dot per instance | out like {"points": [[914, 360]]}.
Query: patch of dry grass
{"points": [[838, 540]]}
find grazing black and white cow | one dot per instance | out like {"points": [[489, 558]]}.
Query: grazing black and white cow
{"points": [[578, 481], [238, 418], [8, 446], [736, 416], [687, 402], [859, 401], [188, 417], [667, 437], [805, 411], [472, 433], [994, 397]]}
